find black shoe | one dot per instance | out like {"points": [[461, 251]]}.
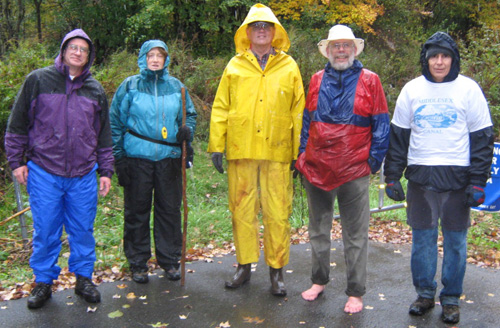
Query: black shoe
{"points": [[421, 306], [86, 288], [39, 295], [277, 283], [241, 276], [140, 277], [451, 314], [173, 274]]}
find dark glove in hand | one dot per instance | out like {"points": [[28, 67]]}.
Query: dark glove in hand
{"points": [[394, 190], [474, 196], [121, 167], [294, 169], [217, 160], [184, 134]]}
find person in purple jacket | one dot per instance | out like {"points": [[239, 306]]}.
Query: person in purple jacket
{"points": [[58, 135]]}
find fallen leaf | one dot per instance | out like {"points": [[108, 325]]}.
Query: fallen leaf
{"points": [[224, 325], [115, 314], [91, 309], [125, 306], [131, 296], [122, 286], [143, 297], [491, 295], [158, 325], [3, 307], [117, 296], [183, 317], [368, 307], [70, 303], [469, 302]]}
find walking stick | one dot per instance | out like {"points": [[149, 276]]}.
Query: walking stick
{"points": [[184, 198]]}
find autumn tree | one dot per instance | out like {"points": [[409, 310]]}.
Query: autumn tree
{"points": [[318, 13]]}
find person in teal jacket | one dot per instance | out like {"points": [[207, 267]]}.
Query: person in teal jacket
{"points": [[146, 124]]}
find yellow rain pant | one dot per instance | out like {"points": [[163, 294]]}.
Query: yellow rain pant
{"points": [[274, 179]]}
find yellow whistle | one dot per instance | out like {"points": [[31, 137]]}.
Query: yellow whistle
{"points": [[164, 133]]}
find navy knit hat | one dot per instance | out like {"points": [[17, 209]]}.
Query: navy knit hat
{"points": [[435, 49]]}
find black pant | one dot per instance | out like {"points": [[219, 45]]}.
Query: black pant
{"points": [[163, 179]]}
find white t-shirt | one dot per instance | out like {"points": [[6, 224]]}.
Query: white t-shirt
{"points": [[441, 116]]}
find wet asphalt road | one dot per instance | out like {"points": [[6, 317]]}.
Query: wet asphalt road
{"points": [[203, 301]]}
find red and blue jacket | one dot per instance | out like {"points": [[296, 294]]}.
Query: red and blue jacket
{"points": [[345, 127]]}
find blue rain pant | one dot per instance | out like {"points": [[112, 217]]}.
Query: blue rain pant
{"points": [[58, 202]]}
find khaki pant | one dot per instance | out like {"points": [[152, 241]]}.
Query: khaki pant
{"points": [[354, 206], [256, 184]]}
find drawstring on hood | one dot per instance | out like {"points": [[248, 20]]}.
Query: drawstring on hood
{"points": [[440, 42]]}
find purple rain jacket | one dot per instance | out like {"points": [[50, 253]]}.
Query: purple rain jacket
{"points": [[61, 124]]}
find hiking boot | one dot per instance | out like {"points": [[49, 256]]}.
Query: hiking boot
{"points": [[39, 295], [140, 277], [86, 288], [421, 306], [277, 283], [173, 274], [241, 276], [451, 314]]}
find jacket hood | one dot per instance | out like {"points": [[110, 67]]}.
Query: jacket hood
{"points": [[261, 13], [146, 47], [77, 33], [442, 40]]}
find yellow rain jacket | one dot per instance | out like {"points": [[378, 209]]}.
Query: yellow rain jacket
{"points": [[258, 114]]}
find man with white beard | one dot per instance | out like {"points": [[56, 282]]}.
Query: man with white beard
{"points": [[345, 135]]}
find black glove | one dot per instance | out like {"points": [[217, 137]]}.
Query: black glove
{"points": [[184, 134], [394, 190], [121, 168], [294, 169], [217, 160], [474, 196]]}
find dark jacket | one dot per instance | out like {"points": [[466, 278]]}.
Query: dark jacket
{"points": [[60, 124], [444, 177]]}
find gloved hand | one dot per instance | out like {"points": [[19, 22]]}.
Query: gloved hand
{"points": [[394, 190], [121, 168], [217, 160], [294, 169], [184, 134], [474, 196]]}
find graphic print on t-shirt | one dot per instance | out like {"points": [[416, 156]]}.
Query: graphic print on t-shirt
{"points": [[435, 116]]}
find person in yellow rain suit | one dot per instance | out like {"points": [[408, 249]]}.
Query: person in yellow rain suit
{"points": [[257, 119]]}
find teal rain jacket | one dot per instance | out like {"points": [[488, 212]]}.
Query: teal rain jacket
{"points": [[149, 104]]}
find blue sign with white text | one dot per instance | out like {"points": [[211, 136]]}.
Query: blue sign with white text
{"points": [[492, 190]]}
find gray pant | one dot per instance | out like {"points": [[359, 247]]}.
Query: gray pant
{"points": [[354, 206]]}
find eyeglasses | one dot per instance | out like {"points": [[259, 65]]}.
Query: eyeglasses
{"points": [[266, 26], [344, 45], [151, 56], [74, 47]]}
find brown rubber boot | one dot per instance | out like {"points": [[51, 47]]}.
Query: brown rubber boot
{"points": [[241, 276]]}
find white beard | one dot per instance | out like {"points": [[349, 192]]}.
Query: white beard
{"points": [[341, 66]]}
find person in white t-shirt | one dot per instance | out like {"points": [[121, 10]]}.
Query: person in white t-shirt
{"points": [[442, 139]]}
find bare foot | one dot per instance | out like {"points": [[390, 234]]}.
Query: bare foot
{"points": [[353, 305], [312, 293]]}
